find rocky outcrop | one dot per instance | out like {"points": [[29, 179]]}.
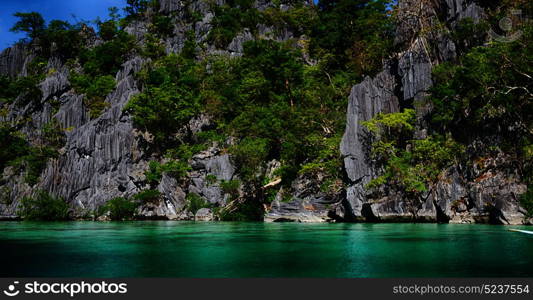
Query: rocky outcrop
{"points": [[204, 214], [307, 204], [13, 59], [106, 157], [489, 195]]}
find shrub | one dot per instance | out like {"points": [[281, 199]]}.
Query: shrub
{"points": [[148, 196], [95, 89], [43, 207], [119, 209], [108, 30], [231, 19], [194, 203], [175, 168], [250, 154], [169, 100], [153, 47], [153, 174], [107, 58], [163, 25], [211, 179], [13, 145], [230, 187]]}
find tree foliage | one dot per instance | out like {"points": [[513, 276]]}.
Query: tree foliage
{"points": [[43, 207], [32, 23]]}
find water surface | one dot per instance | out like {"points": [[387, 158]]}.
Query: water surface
{"points": [[189, 249]]}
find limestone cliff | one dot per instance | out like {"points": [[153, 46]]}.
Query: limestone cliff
{"points": [[104, 157]]}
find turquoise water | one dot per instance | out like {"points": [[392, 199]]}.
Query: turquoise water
{"points": [[188, 249]]}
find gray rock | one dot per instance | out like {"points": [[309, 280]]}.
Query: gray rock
{"points": [[370, 97], [167, 6], [236, 45], [221, 167], [13, 59], [306, 204], [204, 214], [414, 67]]}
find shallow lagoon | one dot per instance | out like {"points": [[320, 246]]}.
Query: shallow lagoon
{"points": [[196, 249]]}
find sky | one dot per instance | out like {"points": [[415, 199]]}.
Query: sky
{"points": [[50, 9]]}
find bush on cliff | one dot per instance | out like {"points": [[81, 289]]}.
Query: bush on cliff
{"points": [[148, 196], [194, 203], [409, 165], [119, 209], [43, 207]]}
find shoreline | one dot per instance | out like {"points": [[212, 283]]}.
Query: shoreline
{"points": [[19, 219]]}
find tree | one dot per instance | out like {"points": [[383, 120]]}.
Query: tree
{"points": [[32, 23], [43, 207], [135, 7]]}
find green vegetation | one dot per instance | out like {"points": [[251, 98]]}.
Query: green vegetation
{"points": [[170, 97], [95, 90], [31, 159], [484, 96], [136, 7], [14, 145], [100, 64], [119, 209], [31, 23], [57, 37], [194, 203], [24, 88], [359, 44], [175, 168], [409, 165], [43, 207], [148, 196], [488, 92], [163, 25], [270, 99], [231, 187], [230, 19]]}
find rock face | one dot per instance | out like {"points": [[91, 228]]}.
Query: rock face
{"points": [[370, 97], [204, 214], [485, 194], [12, 60], [306, 204], [104, 157]]}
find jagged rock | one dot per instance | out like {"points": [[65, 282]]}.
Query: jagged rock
{"points": [[13, 59], [138, 29], [173, 197], [307, 204], [185, 216], [204, 214], [457, 10], [221, 167], [103, 157], [167, 6], [414, 68], [56, 83], [236, 45], [72, 113], [370, 97]]}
